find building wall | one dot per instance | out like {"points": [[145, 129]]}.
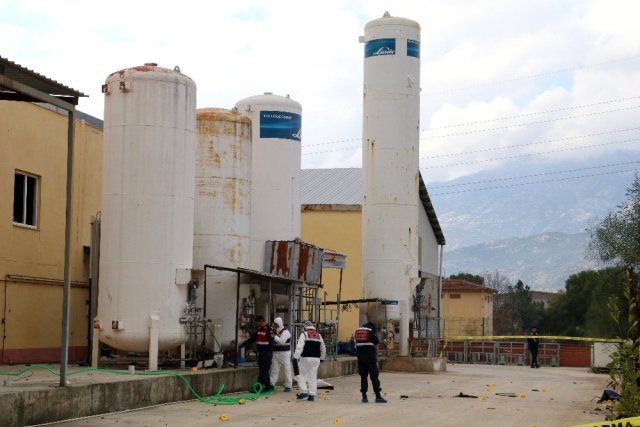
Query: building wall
{"points": [[429, 249], [342, 232], [34, 140], [467, 312]]}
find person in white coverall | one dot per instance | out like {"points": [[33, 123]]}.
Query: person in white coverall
{"points": [[281, 355], [310, 350]]}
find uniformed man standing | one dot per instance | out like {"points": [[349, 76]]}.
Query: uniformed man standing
{"points": [[264, 338], [366, 350], [281, 355], [310, 350]]}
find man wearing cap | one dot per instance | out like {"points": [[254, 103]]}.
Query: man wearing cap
{"points": [[281, 355], [366, 350], [310, 350], [263, 337]]}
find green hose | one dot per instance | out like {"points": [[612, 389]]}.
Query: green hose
{"points": [[256, 389]]}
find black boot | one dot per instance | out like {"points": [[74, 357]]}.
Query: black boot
{"points": [[379, 398], [364, 398]]}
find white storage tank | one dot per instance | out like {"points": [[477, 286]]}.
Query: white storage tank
{"points": [[391, 125], [222, 210], [275, 182], [146, 248]]}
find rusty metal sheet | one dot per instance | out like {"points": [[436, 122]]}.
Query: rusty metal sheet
{"points": [[294, 259]]}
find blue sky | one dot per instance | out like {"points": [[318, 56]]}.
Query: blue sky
{"points": [[518, 67]]}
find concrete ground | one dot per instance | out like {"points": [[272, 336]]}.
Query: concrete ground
{"points": [[506, 396]]}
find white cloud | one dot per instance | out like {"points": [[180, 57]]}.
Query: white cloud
{"points": [[480, 61]]}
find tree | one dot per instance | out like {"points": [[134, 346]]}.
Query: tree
{"points": [[497, 282], [582, 309], [517, 312], [468, 277], [616, 239]]}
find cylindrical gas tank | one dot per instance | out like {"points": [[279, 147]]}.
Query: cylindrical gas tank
{"points": [[391, 125], [275, 183], [146, 248], [222, 209]]}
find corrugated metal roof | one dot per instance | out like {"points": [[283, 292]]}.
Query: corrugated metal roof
{"points": [[13, 72], [340, 186], [343, 186]]}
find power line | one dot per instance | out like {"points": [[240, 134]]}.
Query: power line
{"points": [[332, 142], [490, 83], [532, 182], [532, 175], [332, 151], [532, 76], [504, 148], [532, 114], [548, 141], [534, 154], [482, 130], [531, 123]]}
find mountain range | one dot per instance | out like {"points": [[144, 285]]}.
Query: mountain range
{"points": [[529, 221]]}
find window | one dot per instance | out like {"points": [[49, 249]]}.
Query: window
{"points": [[454, 296], [25, 199]]}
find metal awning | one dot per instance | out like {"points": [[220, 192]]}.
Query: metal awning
{"points": [[18, 83], [261, 275]]}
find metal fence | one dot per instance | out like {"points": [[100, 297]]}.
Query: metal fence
{"points": [[513, 352]]}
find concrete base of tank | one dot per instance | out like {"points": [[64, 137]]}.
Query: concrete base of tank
{"points": [[414, 364]]}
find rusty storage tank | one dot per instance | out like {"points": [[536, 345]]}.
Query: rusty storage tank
{"points": [[391, 124], [146, 248], [222, 210], [275, 167]]}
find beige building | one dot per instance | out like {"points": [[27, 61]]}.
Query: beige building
{"points": [[332, 218], [467, 309], [32, 229]]}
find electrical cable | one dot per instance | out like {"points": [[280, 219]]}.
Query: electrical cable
{"points": [[532, 182], [530, 176], [491, 83], [255, 389], [533, 76], [547, 141], [578, 116], [531, 114], [491, 120], [534, 154]]}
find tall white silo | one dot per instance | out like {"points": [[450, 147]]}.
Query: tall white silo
{"points": [[275, 166], [222, 211], [146, 248], [391, 126]]}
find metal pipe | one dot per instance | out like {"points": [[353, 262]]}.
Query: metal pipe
{"points": [[64, 346], [41, 280], [440, 328], [235, 365], [338, 313]]}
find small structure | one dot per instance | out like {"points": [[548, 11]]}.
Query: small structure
{"points": [[467, 308]]}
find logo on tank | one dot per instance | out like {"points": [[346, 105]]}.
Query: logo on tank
{"points": [[380, 47], [280, 125], [413, 48]]}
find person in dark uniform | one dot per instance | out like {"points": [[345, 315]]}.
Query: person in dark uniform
{"points": [[264, 338], [366, 350], [533, 343]]}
